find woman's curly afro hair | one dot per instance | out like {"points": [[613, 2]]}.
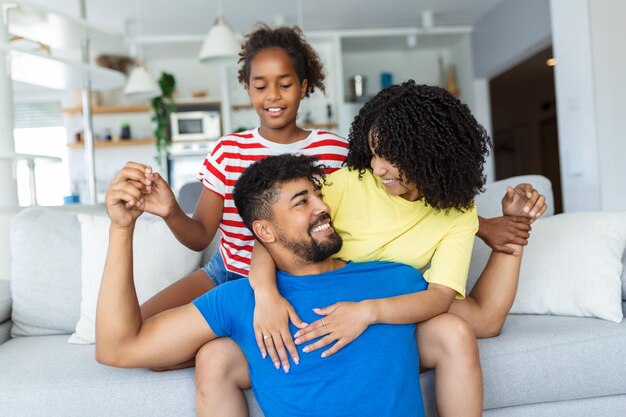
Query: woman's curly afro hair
{"points": [[430, 136], [291, 40]]}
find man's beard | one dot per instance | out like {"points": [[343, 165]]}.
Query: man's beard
{"points": [[310, 250]]}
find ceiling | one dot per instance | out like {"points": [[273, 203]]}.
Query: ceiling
{"points": [[194, 17]]}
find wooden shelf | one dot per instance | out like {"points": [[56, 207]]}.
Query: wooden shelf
{"points": [[73, 111], [111, 144], [241, 106]]}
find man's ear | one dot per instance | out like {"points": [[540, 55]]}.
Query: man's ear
{"points": [[263, 231]]}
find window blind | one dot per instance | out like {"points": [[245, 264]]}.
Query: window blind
{"points": [[44, 114]]}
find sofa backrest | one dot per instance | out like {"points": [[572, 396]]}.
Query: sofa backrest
{"points": [[45, 269]]}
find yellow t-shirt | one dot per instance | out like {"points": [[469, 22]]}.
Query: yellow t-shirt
{"points": [[376, 226]]}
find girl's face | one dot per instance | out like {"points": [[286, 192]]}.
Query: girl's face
{"points": [[274, 89], [391, 178]]}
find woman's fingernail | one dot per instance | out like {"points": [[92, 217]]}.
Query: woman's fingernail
{"points": [[323, 355], [526, 209], [533, 213], [277, 365], [306, 349], [297, 341]]}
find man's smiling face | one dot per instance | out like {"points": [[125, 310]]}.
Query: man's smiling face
{"points": [[302, 222]]}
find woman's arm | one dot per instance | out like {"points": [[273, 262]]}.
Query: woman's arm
{"points": [[343, 322], [272, 312]]}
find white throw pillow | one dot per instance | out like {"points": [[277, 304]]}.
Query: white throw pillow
{"points": [[572, 266], [159, 260]]}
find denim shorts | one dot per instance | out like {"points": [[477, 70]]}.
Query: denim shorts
{"points": [[217, 272]]}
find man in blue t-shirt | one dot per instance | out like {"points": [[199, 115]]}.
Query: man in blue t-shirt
{"points": [[377, 374]]}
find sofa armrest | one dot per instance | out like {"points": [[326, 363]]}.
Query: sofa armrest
{"points": [[5, 310]]}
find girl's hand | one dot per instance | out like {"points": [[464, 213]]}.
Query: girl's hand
{"points": [[272, 314], [342, 323], [159, 197]]}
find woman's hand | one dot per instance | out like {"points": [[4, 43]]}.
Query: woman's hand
{"points": [[342, 323], [272, 314], [500, 231]]}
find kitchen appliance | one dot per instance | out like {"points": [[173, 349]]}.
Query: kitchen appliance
{"points": [[189, 126], [357, 87], [184, 161]]}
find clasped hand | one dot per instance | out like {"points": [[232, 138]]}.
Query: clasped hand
{"points": [[341, 323]]}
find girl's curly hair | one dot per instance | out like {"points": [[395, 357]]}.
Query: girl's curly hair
{"points": [[430, 136], [291, 40]]}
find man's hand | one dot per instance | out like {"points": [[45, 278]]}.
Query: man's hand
{"points": [[158, 197], [124, 198], [523, 200], [342, 323], [272, 314], [500, 231]]}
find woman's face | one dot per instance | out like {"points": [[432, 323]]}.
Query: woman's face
{"points": [[390, 176]]}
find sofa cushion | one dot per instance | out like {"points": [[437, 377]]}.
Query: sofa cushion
{"points": [[5, 300], [45, 271], [159, 260], [573, 266], [44, 376], [548, 358], [624, 276]]}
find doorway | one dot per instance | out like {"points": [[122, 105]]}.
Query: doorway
{"points": [[525, 131]]}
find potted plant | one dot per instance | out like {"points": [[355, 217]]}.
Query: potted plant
{"points": [[162, 106]]}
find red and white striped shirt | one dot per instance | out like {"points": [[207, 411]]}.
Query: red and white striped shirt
{"points": [[227, 161]]}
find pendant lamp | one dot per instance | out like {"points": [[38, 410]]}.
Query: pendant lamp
{"points": [[140, 84], [220, 45]]}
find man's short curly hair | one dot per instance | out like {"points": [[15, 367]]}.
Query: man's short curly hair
{"points": [[305, 60], [258, 188], [430, 136]]}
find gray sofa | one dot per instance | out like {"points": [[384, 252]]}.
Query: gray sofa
{"points": [[538, 366]]}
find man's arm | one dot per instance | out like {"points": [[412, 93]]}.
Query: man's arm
{"points": [[122, 338]]}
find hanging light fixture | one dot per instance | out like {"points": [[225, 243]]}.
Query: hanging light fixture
{"points": [[140, 83], [220, 45]]}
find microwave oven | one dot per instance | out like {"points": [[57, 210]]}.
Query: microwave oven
{"points": [[195, 126]]}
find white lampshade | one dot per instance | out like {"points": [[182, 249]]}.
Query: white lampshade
{"points": [[140, 83], [220, 44]]}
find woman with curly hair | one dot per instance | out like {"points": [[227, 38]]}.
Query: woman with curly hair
{"points": [[414, 165]]}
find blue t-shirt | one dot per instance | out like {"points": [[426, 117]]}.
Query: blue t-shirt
{"points": [[375, 375]]}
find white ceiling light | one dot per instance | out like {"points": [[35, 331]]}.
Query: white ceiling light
{"points": [[220, 45], [140, 84], [427, 20]]}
